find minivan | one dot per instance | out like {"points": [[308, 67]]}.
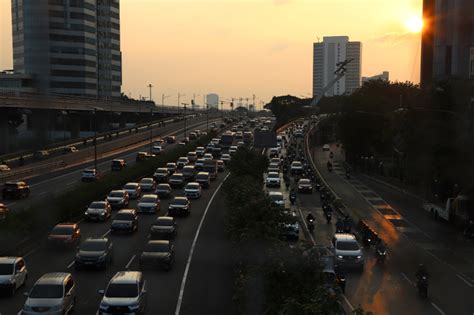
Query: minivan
{"points": [[347, 251], [13, 273]]}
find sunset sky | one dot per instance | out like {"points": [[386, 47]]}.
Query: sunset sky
{"points": [[238, 48]]}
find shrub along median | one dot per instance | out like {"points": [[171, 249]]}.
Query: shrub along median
{"points": [[271, 276], [36, 220]]}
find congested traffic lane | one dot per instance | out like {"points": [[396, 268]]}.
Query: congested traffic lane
{"points": [[67, 179], [163, 286], [389, 289]]}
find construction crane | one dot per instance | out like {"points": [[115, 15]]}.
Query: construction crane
{"points": [[340, 72]]}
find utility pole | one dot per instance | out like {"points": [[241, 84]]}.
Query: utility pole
{"points": [[151, 131], [184, 104], [207, 117], [179, 98], [222, 109], [254, 108], [150, 87]]}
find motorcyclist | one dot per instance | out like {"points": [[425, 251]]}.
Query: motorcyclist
{"points": [[329, 164], [380, 247], [292, 196], [339, 225], [331, 155], [421, 272], [310, 217]]}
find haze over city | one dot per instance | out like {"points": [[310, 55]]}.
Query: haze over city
{"points": [[238, 48]]}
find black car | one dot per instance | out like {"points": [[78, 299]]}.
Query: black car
{"points": [[179, 206], [118, 165], [125, 220], [164, 227], [161, 175], [158, 254], [15, 190], [94, 252], [163, 191]]}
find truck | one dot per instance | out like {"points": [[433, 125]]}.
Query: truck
{"points": [[227, 139], [210, 166], [457, 210]]}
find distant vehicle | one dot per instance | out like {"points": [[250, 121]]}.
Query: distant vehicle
{"points": [[159, 142], [210, 166], [65, 234], [126, 293], [182, 161], [193, 190], [304, 185], [274, 152], [134, 190], [200, 151], [94, 252], [192, 136], [204, 179], [163, 190], [90, 175], [143, 156], [457, 210], [220, 166], [98, 210], [171, 167], [147, 184], [199, 164], [273, 167], [170, 139], [149, 203], [40, 155], [192, 156], [291, 229], [15, 190], [233, 149], [275, 160], [179, 206], [3, 211], [55, 290], [296, 168], [208, 157], [161, 175], [273, 179], [126, 220], [248, 137], [164, 227], [189, 172], [326, 147], [176, 180], [70, 149], [118, 199], [277, 198], [225, 158], [227, 139], [158, 253], [13, 273], [156, 149], [347, 251], [216, 153], [118, 165], [4, 168]]}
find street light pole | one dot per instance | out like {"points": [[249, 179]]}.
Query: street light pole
{"points": [[151, 131], [184, 104], [150, 87], [207, 117]]}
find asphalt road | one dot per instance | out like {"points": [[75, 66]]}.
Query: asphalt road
{"points": [[389, 288], [164, 287]]}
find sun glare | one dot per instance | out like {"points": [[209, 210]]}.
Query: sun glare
{"points": [[414, 24]]}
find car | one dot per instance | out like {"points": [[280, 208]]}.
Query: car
{"points": [[347, 251], [291, 228], [192, 136], [90, 175], [70, 149], [149, 203], [200, 151], [209, 148], [176, 180], [161, 175], [143, 156], [147, 184], [226, 158], [199, 164], [182, 162], [157, 253], [118, 199], [126, 220], [156, 149], [192, 156], [126, 293], [98, 211], [53, 293], [193, 190], [273, 167], [208, 157], [15, 190], [204, 179], [4, 211], [94, 252], [4, 168], [159, 142], [274, 152], [220, 166], [277, 198], [304, 185], [326, 147], [216, 153], [240, 144], [171, 167], [296, 168], [164, 227], [275, 161], [185, 140], [179, 206], [163, 190], [40, 155], [170, 139], [134, 190], [189, 172], [118, 165], [13, 274], [197, 132], [273, 179], [65, 235], [233, 149]]}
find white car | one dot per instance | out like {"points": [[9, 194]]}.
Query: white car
{"points": [[326, 147], [233, 149], [208, 157], [225, 157], [296, 167], [4, 168], [149, 204], [277, 198], [90, 175], [118, 199], [156, 149], [182, 161], [193, 190], [200, 151], [273, 179], [13, 273], [147, 184]]}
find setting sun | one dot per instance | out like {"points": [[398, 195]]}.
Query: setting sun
{"points": [[414, 24]]}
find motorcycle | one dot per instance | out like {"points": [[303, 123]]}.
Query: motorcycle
{"points": [[348, 175], [311, 225], [328, 217], [422, 285], [293, 198], [381, 255]]}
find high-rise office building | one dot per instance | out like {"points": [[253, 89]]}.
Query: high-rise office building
{"points": [[69, 46], [447, 40], [213, 100], [326, 55], [384, 76]]}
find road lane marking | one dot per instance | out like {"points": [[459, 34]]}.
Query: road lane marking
{"points": [[42, 193], [30, 252], [465, 280], [106, 233], [130, 261], [10, 204], [437, 308], [408, 279], [347, 302], [305, 225], [191, 252], [71, 264], [71, 183]]}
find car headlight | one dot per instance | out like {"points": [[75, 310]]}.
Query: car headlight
{"points": [[86, 213], [339, 256], [359, 257]]}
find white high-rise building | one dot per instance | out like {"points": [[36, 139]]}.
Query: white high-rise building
{"points": [[212, 100], [382, 76], [326, 55]]}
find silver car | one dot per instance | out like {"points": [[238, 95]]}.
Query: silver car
{"points": [[149, 203], [13, 273], [125, 294], [53, 293], [347, 251]]}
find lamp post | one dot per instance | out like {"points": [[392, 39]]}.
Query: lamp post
{"points": [[207, 117], [163, 97], [95, 135], [184, 104], [151, 131], [179, 98], [150, 87]]}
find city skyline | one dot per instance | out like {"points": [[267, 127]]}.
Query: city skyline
{"points": [[184, 51]]}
